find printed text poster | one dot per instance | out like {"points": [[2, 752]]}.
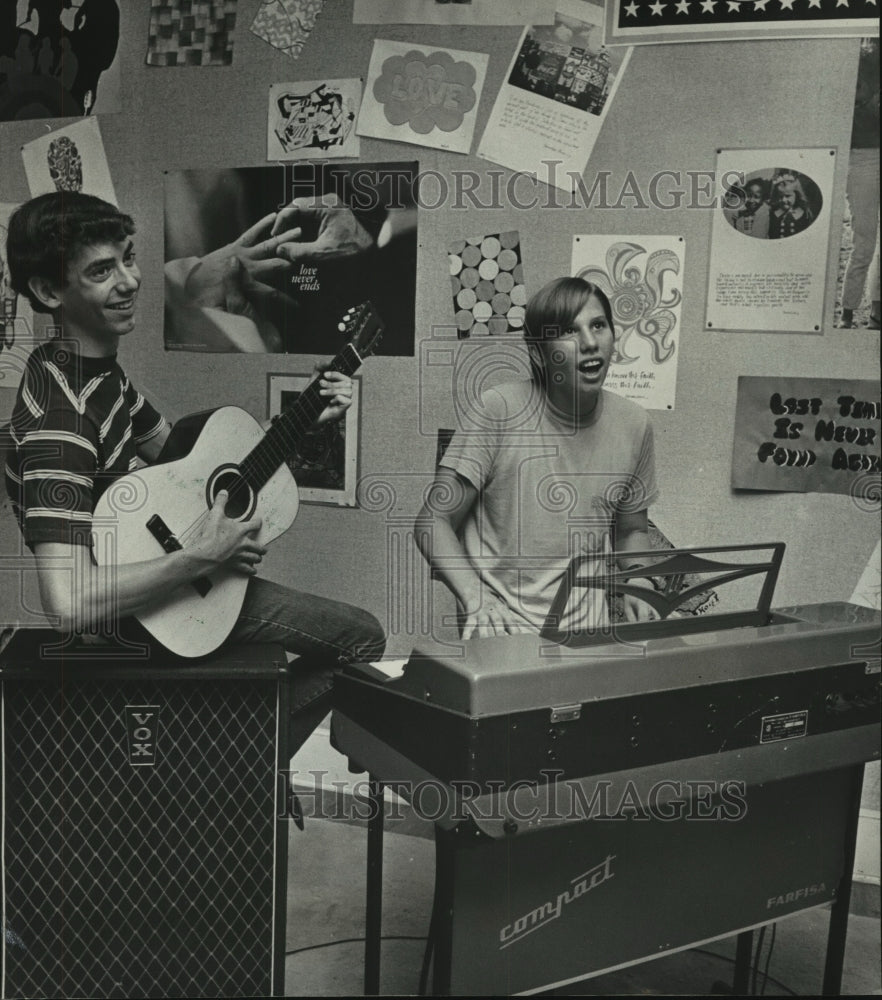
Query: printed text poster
{"points": [[426, 96], [768, 260], [808, 435], [642, 276], [558, 88]]}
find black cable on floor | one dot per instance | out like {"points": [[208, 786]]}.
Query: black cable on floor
{"points": [[731, 961], [355, 940]]}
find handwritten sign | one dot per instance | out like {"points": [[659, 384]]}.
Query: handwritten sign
{"points": [[807, 435]]}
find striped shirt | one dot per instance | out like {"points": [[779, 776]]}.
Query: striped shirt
{"points": [[76, 426]]}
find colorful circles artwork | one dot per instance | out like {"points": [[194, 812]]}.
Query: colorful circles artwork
{"points": [[487, 284]]}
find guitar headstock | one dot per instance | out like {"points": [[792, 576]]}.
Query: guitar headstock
{"points": [[363, 328]]}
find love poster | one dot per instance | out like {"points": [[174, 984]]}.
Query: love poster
{"points": [[807, 435], [425, 96]]}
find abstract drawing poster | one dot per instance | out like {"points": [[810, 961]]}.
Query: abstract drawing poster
{"points": [[267, 259], [422, 95], [69, 159], [58, 60], [808, 435], [769, 242], [474, 12], [642, 276], [558, 89], [313, 120]]}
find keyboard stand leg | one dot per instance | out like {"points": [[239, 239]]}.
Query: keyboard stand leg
{"points": [[373, 922], [839, 911], [743, 953]]}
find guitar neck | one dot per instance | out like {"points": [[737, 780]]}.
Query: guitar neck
{"points": [[288, 428]]}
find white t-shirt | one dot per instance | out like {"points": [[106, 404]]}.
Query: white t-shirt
{"points": [[549, 491]]}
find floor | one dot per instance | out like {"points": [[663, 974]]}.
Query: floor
{"points": [[325, 925]]}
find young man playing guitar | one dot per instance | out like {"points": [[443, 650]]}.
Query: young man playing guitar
{"points": [[79, 424]]}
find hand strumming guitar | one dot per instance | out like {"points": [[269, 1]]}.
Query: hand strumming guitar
{"points": [[222, 541]]}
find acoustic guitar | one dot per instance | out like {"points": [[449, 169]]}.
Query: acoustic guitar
{"points": [[155, 509]]}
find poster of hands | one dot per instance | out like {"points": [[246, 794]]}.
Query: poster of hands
{"points": [[642, 276], [267, 259]]}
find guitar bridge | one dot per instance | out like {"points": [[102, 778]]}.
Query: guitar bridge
{"points": [[169, 542]]}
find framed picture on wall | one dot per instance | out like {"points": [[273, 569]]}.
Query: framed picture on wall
{"points": [[324, 462]]}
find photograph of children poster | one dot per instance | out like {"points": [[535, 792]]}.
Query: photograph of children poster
{"points": [[423, 95], [560, 83], [642, 276], [769, 242], [59, 59], [267, 259], [314, 120]]}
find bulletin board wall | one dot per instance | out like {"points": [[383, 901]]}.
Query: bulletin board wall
{"points": [[675, 107]]}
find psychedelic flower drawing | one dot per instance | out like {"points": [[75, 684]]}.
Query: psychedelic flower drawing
{"points": [[641, 276], [638, 298]]}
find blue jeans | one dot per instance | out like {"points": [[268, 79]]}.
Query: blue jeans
{"points": [[324, 633], [863, 200]]}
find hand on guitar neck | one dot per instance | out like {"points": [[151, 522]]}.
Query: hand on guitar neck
{"points": [[337, 389]]}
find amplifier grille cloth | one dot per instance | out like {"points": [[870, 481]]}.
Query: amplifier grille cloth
{"points": [[139, 881]]}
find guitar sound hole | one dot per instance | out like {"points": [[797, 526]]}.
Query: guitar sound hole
{"points": [[240, 502]]}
